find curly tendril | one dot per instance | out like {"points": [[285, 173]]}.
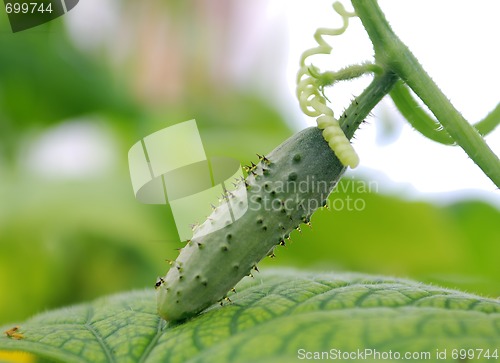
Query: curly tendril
{"points": [[313, 102]]}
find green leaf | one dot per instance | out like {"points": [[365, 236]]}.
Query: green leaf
{"points": [[270, 319]]}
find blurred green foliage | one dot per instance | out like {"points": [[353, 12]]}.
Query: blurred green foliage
{"points": [[454, 245], [68, 240]]}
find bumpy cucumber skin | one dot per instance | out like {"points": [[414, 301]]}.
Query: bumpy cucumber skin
{"points": [[212, 264]]}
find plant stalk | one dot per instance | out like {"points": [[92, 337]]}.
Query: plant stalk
{"points": [[393, 55], [362, 105]]}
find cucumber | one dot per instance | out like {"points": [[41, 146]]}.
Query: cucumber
{"points": [[282, 191]]}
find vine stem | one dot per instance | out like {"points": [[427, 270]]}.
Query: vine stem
{"points": [[362, 105], [393, 55]]}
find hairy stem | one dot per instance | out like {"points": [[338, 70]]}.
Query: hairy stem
{"points": [[392, 54], [417, 117], [347, 73], [490, 122], [360, 108]]}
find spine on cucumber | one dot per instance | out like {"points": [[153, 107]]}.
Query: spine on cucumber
{"points": [[280, 193]]}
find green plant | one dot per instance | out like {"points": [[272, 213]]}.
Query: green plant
{"points": [[281, 192], [185, 290], [279, 316], [392, 56], [284, 309], [188, 288]]}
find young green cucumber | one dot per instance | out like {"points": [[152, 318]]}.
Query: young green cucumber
{"points": [[281, 192]]}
